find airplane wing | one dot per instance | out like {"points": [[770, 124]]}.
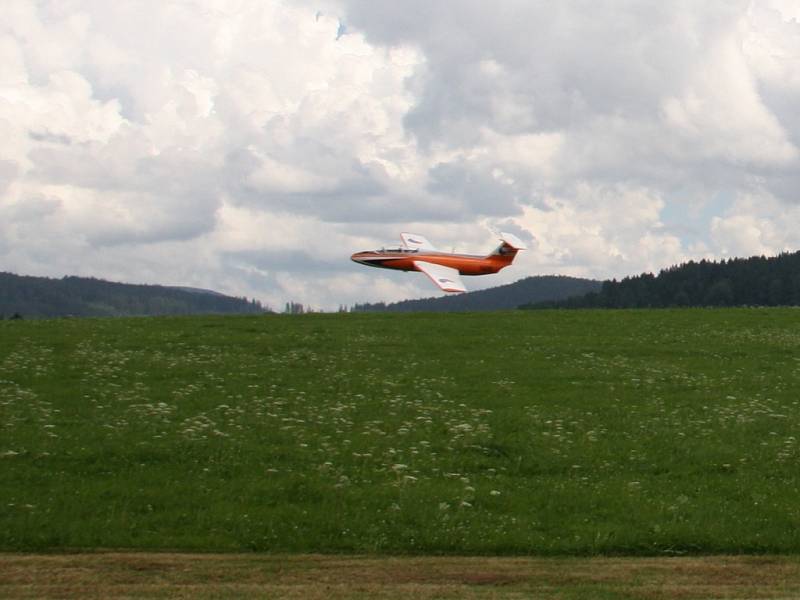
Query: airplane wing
{"points": [[445, 277], [412, 241]]}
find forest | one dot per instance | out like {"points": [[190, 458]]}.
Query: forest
{"points": [[755, 281]]}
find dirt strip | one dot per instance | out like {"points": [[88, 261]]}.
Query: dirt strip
{"points": [[171, 575]]}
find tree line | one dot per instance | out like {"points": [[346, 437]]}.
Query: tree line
{"points": [[755, 281]]}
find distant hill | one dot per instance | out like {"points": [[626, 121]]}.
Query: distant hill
{"points": [[194, 290], [755, 281], [530, 289], [88, 297]]}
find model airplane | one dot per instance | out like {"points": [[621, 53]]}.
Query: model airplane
{"points": [[443, 268]]}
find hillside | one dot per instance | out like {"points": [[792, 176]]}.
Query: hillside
{"points": [[755, 281], [530, 289], [88, 297]]}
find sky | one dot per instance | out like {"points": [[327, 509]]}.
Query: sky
{"points": [[251, 146]]}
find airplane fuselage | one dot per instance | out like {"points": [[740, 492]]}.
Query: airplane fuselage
{"points": [[442, 268], [403, 260]]}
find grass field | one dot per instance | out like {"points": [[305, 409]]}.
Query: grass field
{"points": [[546, 432]]}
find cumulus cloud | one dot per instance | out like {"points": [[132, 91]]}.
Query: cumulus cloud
{"points": [[756, 224], [251, 146], [636, 110]]}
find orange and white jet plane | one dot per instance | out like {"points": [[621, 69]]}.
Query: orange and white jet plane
{"points": [[443, 268]]}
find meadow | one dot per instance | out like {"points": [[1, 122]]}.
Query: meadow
{"points": [[663, 432]]}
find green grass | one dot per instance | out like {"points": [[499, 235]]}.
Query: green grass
{"points": [[545, 432]]}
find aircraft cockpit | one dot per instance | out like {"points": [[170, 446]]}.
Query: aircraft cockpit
{"points": [[396, 250]]}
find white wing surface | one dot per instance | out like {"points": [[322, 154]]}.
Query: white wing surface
{"points": [[445, 277], [413, 241]]}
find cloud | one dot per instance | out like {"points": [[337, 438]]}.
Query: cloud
{"points": [[252, 146], [756, 224], [629, 104]]}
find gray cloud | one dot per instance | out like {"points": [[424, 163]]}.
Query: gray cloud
{"points": [[600, 72], [565, 63], [478, 192]]}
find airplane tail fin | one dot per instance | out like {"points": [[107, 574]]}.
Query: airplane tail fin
{"points": [[511, 244]]}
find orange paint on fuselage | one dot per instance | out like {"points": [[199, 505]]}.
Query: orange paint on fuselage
{"points": [[466, 264]]}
